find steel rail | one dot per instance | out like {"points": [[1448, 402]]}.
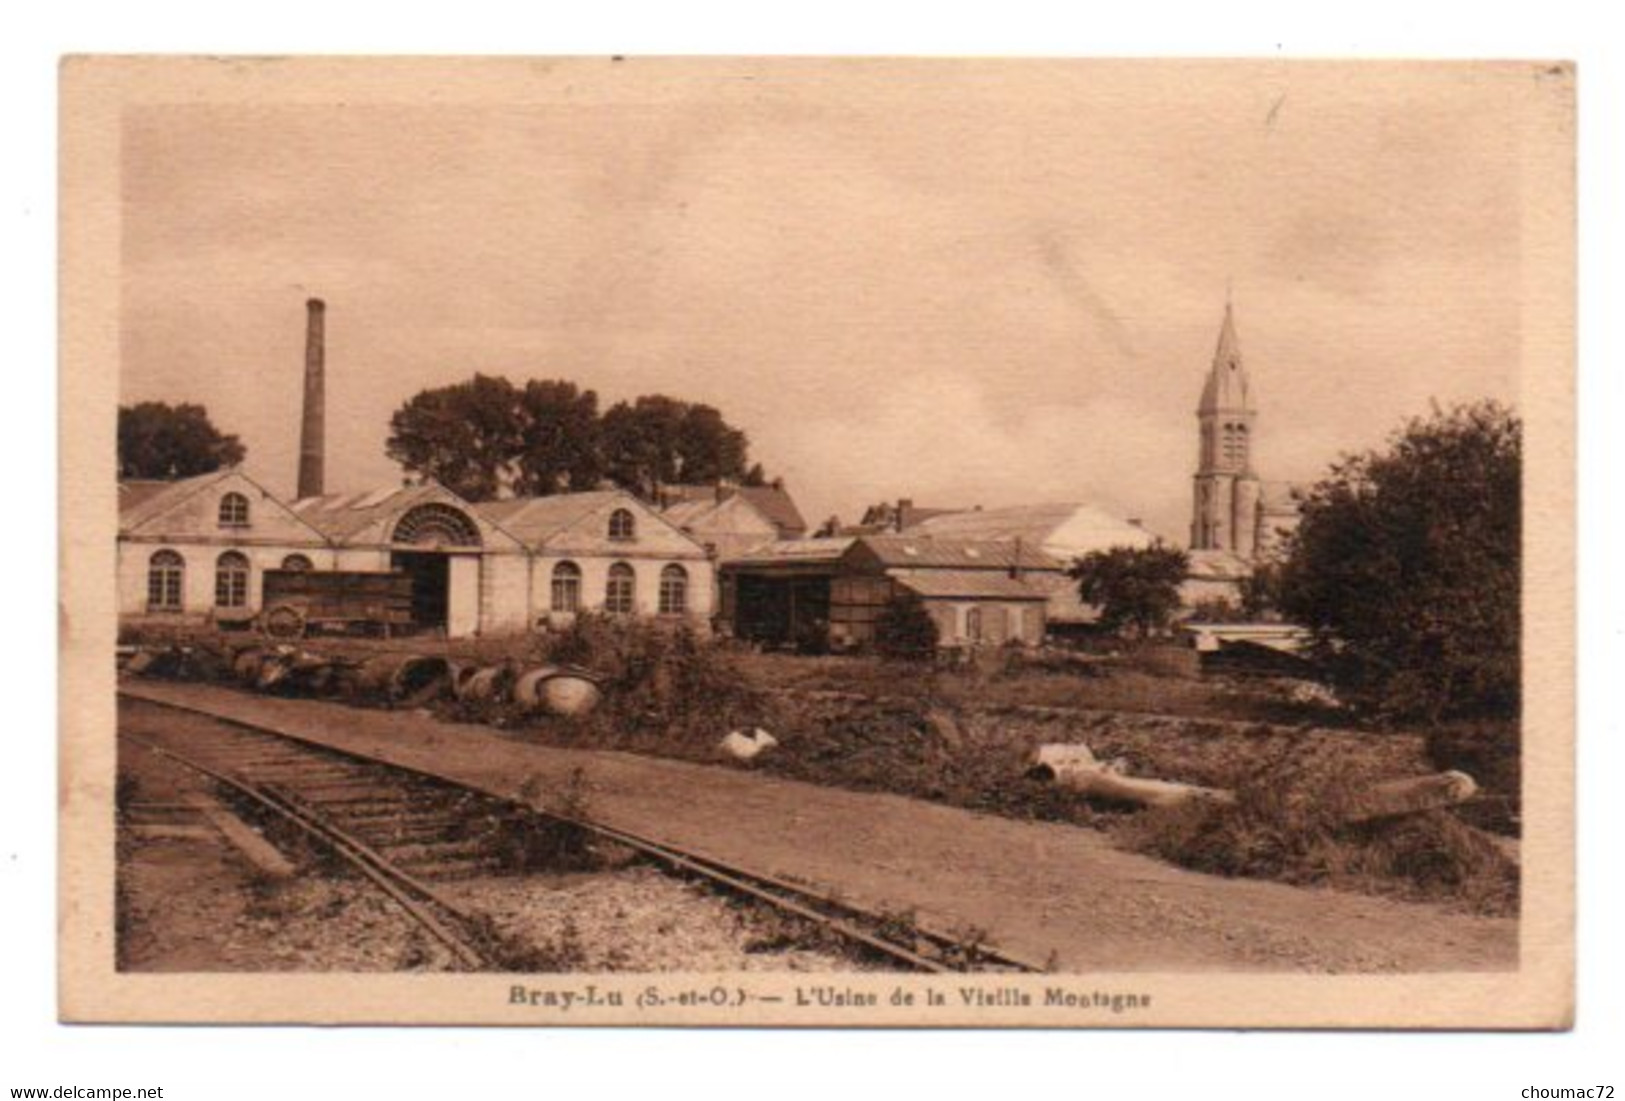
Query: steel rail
{"points": [[766, 888], [392, 880]]}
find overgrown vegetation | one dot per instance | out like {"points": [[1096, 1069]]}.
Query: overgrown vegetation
{"points": [[1290, 822], [964, 736], [905, 631], [1407, 566]]}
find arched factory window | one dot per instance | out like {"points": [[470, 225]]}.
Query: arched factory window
{"points": [[622, 527], [566, 587], [437, 525], [619, 598], [166, 577], [297, 562], [234, 511], [231, 580], [673, 590]]}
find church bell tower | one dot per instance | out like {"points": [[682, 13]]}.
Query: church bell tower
{"points": [[1225, 514]]}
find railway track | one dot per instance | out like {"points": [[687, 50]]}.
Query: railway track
{"points": [[409, 833]]}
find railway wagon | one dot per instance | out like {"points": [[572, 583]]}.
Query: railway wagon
{"points": [[301, 601]]}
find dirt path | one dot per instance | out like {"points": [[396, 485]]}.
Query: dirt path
{"points": [[1044, 891]]}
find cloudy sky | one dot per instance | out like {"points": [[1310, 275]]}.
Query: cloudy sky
{"points": [[963, 283]]}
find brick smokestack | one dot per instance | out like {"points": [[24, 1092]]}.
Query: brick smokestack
{"points": [[313, 427]]}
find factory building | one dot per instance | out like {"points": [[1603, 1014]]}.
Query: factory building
{"points": [[196, 551]]}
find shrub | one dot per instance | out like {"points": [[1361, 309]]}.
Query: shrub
{"points": [[905, 630], [1289, 822], [1407, 566]]}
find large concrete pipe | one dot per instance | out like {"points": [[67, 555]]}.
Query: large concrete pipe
{"points": [[558, 690]]}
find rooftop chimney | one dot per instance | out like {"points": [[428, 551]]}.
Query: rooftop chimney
{"points": [[313, 427]]}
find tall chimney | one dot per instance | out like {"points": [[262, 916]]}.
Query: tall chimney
{"points": [[313, 428]]}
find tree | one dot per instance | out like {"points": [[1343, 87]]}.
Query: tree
{"points": [[158, 440], [561, 448], [485, 437], [904, 630], [1406, 564], [467, 436], [1135, 587], [657, 441]]}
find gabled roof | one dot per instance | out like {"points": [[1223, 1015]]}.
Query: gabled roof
{"points": [[533, 519], [969, 584], [140, 499], [536, 521], [774, 503], [136, 492], [904, 552], [688, 513], [368, 517], [913, 551], [1065, 530], [343, 516]]}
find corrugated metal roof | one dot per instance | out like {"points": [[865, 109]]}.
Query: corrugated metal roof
{"points": [[968, 584], [784, 551], [1064, 530], [342, 516], [910, 551]]}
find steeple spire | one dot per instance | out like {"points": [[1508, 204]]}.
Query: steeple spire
{"points": [[1226, 387]]}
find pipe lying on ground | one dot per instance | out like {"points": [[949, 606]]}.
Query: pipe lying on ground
{"points": [[1413, 795], [484, 685], [558, 690], [410, 679], [1076, 768]]}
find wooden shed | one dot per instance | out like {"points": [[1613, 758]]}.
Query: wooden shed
{"points": [[813, 593]]}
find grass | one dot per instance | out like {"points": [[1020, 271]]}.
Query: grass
{"points": [[1289, 823], [963, 736]]}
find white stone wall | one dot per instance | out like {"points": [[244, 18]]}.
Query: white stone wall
{"points": [[506, 594], [595, 581], [197, 592]]}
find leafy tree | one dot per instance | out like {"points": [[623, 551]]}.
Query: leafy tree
{"points": [[1407, 566], [467, 436], [561, 448], [486, 436], [657, 441], [1136, 588], [904, 630], [159, 440]]}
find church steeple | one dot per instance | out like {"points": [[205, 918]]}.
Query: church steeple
{"points": [[1226, 388], [1226, 490]]}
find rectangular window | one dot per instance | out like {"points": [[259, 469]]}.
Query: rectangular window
{"points": [[566, 594]]}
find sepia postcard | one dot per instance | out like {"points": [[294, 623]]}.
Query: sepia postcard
{"points": [[817, 542]]}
